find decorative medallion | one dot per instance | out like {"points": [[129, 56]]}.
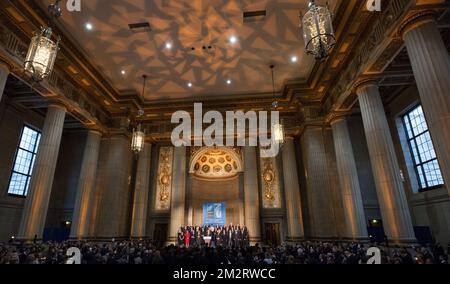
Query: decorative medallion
{"points": [[164, 179], [269, 177]]}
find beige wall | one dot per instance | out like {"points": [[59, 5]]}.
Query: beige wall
{"points": [[227, 191], [67, 173], [430, 208], [11, 123]]}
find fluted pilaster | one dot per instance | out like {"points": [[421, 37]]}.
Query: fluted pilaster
{"points": [[356, 226], [391, 194], [177, 209], [319, 192], [4, 73], [112, 212], [36, 204], [251, 194], [86, 190], [140, 204], [292, 192], [431, 65]]}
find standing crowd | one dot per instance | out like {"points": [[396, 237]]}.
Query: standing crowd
{"points": [[212, 236], [145, 252]]}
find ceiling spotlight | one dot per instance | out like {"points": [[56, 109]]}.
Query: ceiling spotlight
{"points": [[168, 45], [189, 85], [89, 26], [228, 82], [123, 72], [233, 39], [294, 59]]}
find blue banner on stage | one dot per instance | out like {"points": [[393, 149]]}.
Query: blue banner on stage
{"points": [[214, 214]]}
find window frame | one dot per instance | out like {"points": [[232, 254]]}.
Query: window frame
{"points": [[30, 170], [410, 141]]}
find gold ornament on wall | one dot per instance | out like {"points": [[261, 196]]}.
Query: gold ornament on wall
{"points": [[269, 177], [164, 179]]}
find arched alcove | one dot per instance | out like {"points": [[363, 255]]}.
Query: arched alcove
{"points": [[216, 163]]}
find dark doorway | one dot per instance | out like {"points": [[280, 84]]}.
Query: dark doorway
{"points": [[272, 234], [160, 234]]}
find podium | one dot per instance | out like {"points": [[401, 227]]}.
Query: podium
{"points": [[207, 240]]}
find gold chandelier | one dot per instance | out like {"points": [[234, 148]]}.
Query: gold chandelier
{"points": [[278, 133], [42, 51], [318, 31], [138, 139], [277, 128]]}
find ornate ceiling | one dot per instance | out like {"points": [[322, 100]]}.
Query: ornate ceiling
{"points": [[88, 78], [189, 26]]}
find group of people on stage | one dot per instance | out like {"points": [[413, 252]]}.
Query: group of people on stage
{"points": [[213, 236]]}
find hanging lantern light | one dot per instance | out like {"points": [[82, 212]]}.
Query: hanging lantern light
{"points": [[318, 31], [278, 133], [278, 128], [42, 51], [138, 139], [41, 55]]}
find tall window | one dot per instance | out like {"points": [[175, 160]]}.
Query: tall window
{"points": [[23, 164], [425, 161]]}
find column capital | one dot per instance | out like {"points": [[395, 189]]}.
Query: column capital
{"points": [[364, 83], [57, 105], [5, 66], [337, 116], [416, 20], [95, 132]]}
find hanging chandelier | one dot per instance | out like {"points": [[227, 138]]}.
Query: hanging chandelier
{"points": [[278, 128], [42, 51], [138, 138], [278, 133], [318, 31]]}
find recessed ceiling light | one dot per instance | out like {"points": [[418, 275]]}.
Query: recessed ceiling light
{"points": [[123, 72], [229, 82], [189, 85], [294, 59], [168, 45], [89, 26], [233, 39]]}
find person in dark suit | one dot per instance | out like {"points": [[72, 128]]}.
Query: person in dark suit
{"points": [[180, 237]]}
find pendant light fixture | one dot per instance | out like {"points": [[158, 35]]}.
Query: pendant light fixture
{"points": [[138, 138], [42, 51], [277, 128], [318, 31]]}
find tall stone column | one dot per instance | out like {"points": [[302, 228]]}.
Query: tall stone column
{"points": [[292, 192], [431, 65], [391, 194], [4, 73], [356, 226], [177, 208], [251, 195], [320, 194], [142, 187], [112, 215], [36, 204], [84, 202], [241, 200]]}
